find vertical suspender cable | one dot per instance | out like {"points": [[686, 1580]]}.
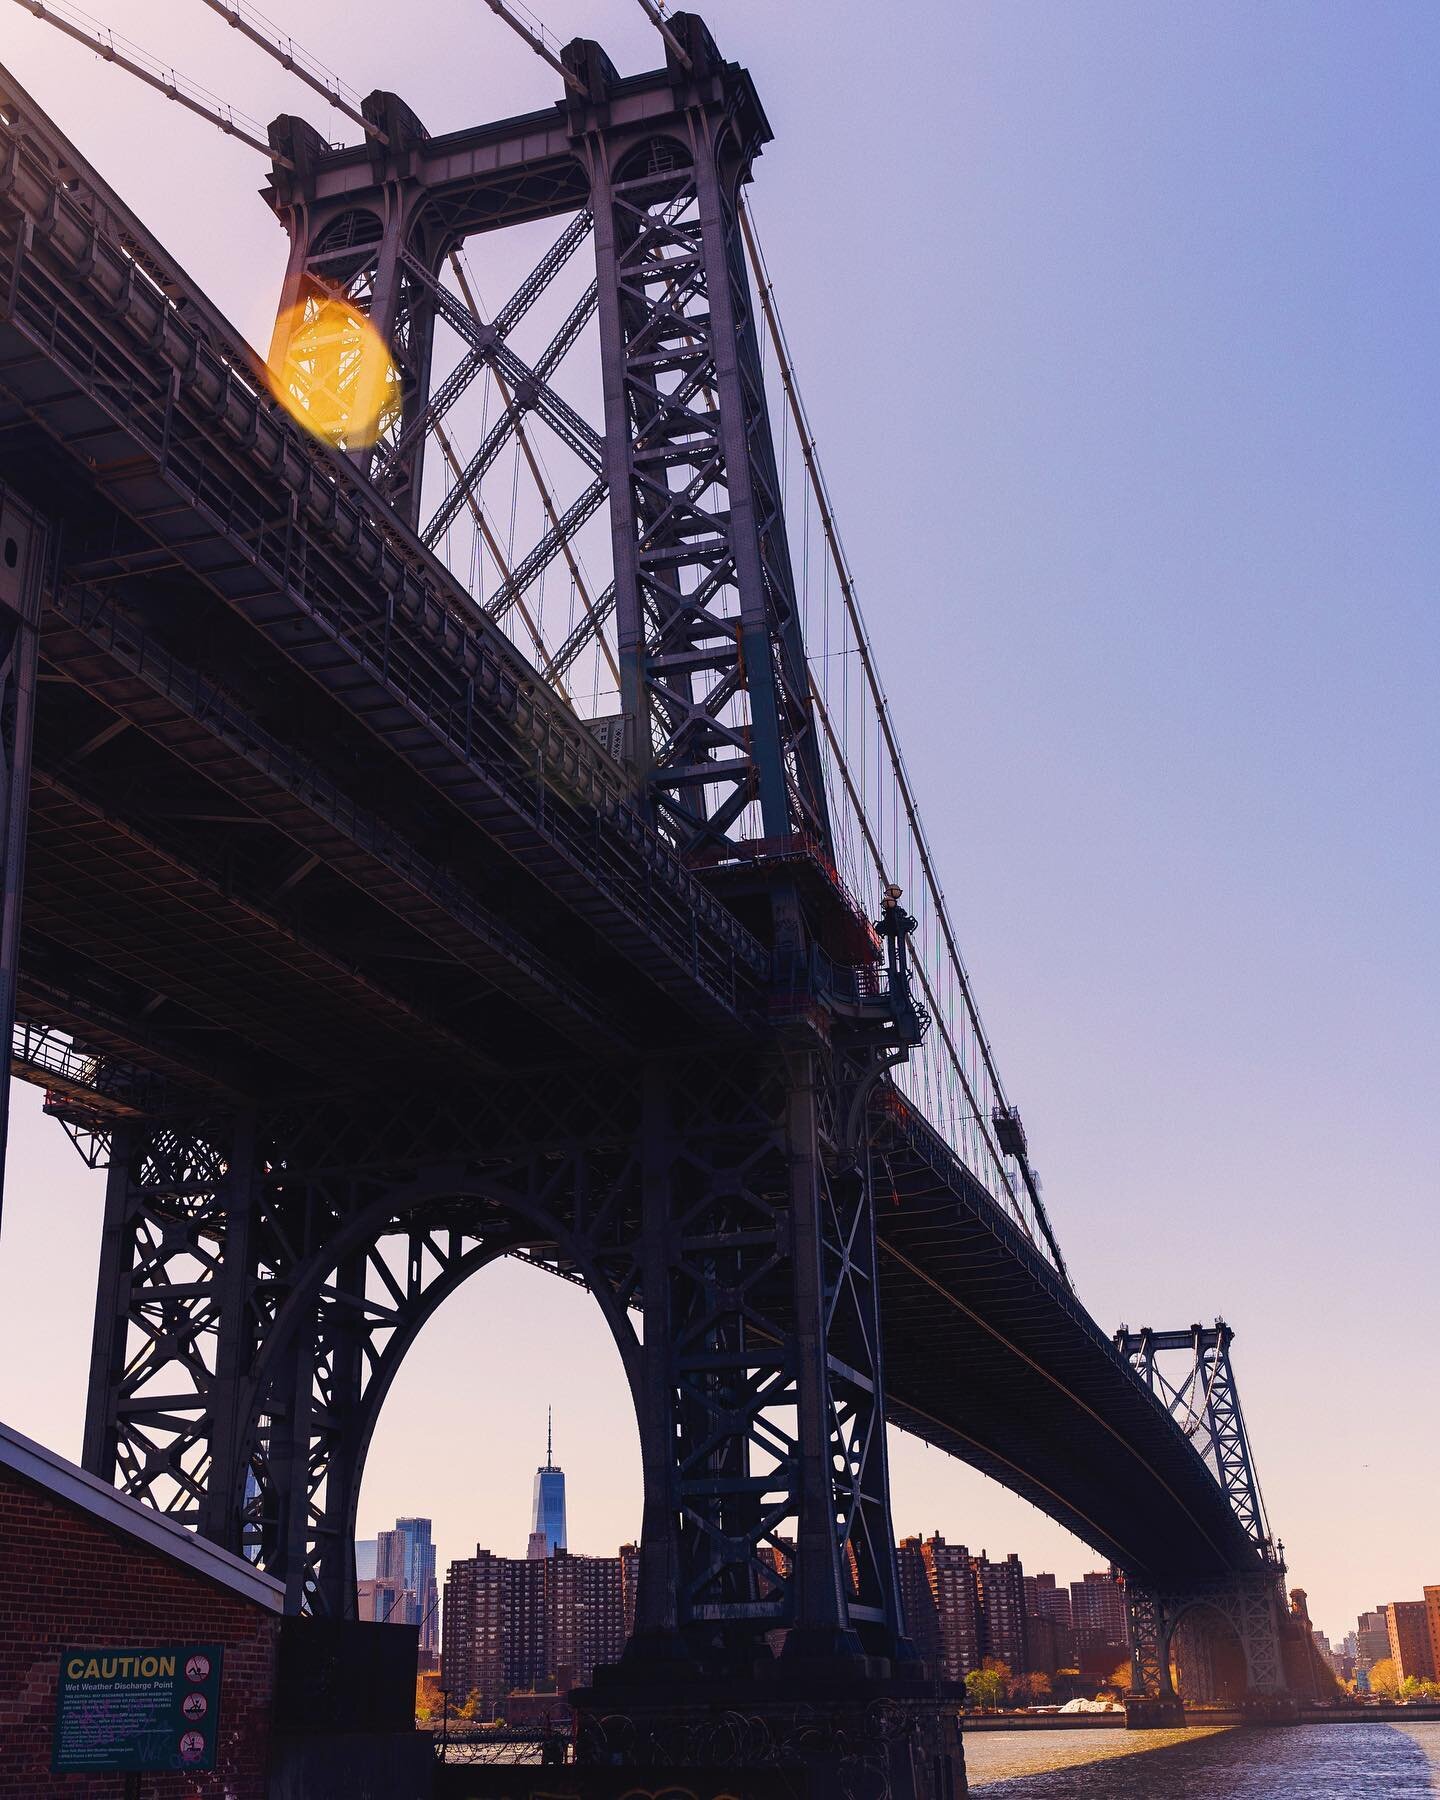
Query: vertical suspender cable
{"points": [[881, 704]]}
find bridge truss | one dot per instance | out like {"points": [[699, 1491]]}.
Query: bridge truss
{"points": [[362, 949]]}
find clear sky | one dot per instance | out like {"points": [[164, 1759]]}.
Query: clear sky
{"points": [[1117, 327]]}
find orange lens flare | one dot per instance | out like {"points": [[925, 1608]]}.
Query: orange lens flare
{"points": [[332, 371]]}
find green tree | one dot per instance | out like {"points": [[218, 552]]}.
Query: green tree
{"points": [[987, 1686]]}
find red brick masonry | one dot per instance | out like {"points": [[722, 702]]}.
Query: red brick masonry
{"points": [[75, 1571]]}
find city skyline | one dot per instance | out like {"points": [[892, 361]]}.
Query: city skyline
{"points": [[370, 1551], [1428, 1602], [1197, 907]]}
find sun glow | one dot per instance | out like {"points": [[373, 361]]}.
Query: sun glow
{"points": [[332, 371]]}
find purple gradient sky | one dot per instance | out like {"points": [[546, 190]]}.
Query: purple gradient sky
{"points": [[1117, 327]]}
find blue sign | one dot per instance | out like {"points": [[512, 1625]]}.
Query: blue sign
{"points": [[146, 1709]]}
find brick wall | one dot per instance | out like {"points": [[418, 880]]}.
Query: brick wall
{"points": [[67, 1579]]}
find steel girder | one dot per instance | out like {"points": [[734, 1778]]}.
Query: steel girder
{"points": [[24, 551], [304, 557]]}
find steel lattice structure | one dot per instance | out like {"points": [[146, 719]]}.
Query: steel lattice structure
{"points": [[361, 959], [1202, 1398]]}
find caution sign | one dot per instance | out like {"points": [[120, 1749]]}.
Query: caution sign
{"points": [[146, 1709]]}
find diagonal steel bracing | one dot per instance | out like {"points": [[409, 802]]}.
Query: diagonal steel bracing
{"points": [[1198, 1390], [526, 396], [509, 316]]}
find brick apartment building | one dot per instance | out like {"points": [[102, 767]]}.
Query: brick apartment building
{"points": [[1102, 1629], [524, 1624], [1001, 1588], [81, 1566], [1049, 1624], [917, 1602], [960, 1609], [951, 1570], [1372, 1639], [1432, 1622], [1408, 1627]]}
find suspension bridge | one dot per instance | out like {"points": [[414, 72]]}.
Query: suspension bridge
{"points": [[474, 825]]}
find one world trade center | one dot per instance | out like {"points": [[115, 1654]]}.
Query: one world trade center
{"points": [[547, 1526]]}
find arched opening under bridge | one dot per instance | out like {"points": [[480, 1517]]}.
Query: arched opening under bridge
{"points": [[1208, 1664], [460, 1440]]}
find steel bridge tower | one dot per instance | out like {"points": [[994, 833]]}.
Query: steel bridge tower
{"points": [[722, 1183], [1191, 1374]]}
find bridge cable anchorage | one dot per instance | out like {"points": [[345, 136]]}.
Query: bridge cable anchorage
{"points": [[657, 18], [97, 36], [900, 774], [534, 35], [298, 61]]}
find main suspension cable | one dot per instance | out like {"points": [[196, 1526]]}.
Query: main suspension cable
{"points": [[276, 43], [657, 18], [138, 62], [534, 35]]}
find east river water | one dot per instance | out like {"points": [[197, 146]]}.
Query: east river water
{"points": [[1296, 1762]]}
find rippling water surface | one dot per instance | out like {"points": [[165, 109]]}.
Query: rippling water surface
{"points": [[1299, 1762]]}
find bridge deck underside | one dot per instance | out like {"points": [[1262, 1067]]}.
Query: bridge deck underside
{"points": [[990, 1358], [237, 723]]}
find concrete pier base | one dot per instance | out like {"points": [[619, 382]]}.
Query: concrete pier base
{"points": [[821, 1734], [1153, 1712]]}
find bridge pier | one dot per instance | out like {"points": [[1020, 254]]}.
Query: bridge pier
{"points": [[839, 1735], [263, 1275], [1189, 1625]]}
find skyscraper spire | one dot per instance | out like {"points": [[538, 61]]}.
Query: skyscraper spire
{"points": [[547, 1524]]}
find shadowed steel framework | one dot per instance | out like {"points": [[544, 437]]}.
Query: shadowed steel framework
{"points": [[360, 959]]}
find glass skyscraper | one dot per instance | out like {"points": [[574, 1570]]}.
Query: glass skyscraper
{"points": [[405, 1560], [548, 1519]]}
